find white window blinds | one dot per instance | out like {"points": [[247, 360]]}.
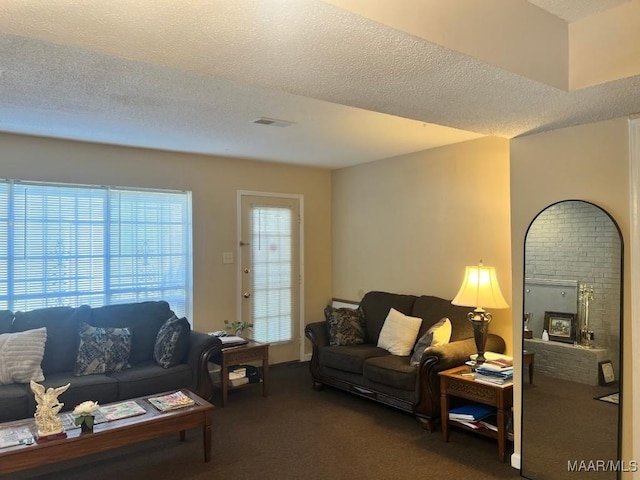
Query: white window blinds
{"points": [[271, 249], [73, 245]]}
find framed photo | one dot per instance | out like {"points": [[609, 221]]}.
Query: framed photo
{"points": [[560, 326], [605, 373]]}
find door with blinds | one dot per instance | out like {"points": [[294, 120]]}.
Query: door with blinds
{"points": [[269, 264]]}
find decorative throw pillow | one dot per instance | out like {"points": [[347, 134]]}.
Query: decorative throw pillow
{"points": [[438, 334], [346, 325], [102, 350], [21, 356], [399, 332], [172, 342]]}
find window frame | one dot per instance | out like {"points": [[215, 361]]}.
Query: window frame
{"points": [[85, 214]]}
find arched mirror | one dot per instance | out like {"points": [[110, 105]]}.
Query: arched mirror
{"points": [[572, 344]]}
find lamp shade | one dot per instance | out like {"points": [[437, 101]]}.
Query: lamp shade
{"points": [[480, 289]]}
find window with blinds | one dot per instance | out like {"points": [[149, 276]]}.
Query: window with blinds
{"points": [[272, 257], [68, 245]]}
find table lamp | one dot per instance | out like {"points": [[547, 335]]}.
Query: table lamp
{"points": [[480, 289]]}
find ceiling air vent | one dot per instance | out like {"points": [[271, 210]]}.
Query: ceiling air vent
{"points": [[273, 122]]}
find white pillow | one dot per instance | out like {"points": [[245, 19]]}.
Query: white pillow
{"points": [[399, 332], [21, 356], [441, 332], [438, 334]]}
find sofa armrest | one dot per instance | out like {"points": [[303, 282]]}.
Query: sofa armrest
{"points": [[457, 353], [202, 347], [318, 333]]}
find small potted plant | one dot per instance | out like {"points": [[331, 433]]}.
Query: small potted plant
{"points": [[238, 327], [85, 415]]}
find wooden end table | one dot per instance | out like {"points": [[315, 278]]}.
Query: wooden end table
{"points": [[234, 355], [459, 382], [527, 359]]}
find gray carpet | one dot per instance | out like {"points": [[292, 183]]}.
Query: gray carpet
{"points": [[297, 433]]}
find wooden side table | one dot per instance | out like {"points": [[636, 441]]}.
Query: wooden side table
{"points": [[527, 359], [459, 382], [249, 352]]}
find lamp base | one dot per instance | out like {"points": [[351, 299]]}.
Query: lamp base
{"points": [[480, 322]]}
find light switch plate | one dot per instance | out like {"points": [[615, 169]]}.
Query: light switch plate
{"points": [[227, 257]]}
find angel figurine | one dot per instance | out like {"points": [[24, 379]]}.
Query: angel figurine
{"points": [[47, 409]]}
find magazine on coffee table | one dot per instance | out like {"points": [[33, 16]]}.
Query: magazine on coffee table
{"points": [[171, 401], [117, 411], [10, 437], [68, 420]]}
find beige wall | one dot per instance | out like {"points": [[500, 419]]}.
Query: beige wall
{"points": [[605, 46], [410, 224], [588, 162], [214, 183], [538, 41]]}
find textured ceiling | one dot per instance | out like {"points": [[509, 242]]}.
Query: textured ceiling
{"points": [[193, 76]]}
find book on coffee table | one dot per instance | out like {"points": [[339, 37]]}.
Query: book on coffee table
{"points": [[171, 401], [117, 411]]}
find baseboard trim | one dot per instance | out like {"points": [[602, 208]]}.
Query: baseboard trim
{"points": [[306, 357], [515, 461]]}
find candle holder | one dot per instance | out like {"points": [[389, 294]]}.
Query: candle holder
{"points": [[586, 334]]}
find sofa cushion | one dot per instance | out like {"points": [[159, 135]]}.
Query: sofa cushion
{"points": [[14, 400], [21, 356], [438, 334], [392, 370], [349, 358], [99, 388], [431, 309], [143, 319], [149, 378], [345, 325], [172, 342], [376, 306], [6, 319], [62, 325], [399, 333], [102, 350]]}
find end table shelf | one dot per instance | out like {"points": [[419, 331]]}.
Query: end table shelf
{"points": [[249, 352], [458, 382]]}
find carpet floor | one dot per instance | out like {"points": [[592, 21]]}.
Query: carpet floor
{"points": [[564, 422], [296, 433]]}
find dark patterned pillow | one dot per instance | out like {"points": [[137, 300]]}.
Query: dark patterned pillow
{"points": [[102, 350], [172, 342], [346, 325]]}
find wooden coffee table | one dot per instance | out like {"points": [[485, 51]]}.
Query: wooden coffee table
{"points": [[110, 435]]}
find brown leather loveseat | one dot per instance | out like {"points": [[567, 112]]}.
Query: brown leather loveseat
{"points": [[372, 372]]}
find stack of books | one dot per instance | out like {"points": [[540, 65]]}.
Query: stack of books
{"points": [[237, 376], [233, 341], [471, 414], [498, 371]]}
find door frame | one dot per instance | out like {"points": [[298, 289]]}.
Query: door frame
{"points": [[634, 266], [300, 199]]}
